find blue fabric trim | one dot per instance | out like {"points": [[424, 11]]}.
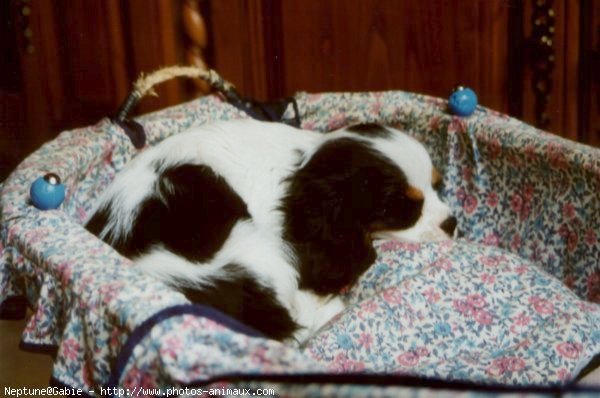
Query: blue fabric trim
{"points": [[49, 349], [392, 380], [145, 327], [319, 378], [381, 380]]}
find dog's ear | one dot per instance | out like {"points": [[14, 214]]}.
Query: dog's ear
{"points": [[336, 246], [328, 215], [331, 266], [329, 208]]}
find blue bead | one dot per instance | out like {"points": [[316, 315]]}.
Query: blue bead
{"points": [[462, 101], [47, 192]]}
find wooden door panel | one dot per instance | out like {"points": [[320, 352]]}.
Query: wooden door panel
{"points": [[242, 43], [408, 45], [152, 34], [94, 71], [271, 48]]}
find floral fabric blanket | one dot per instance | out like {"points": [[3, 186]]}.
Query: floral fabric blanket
{"points": [[513, 303]]}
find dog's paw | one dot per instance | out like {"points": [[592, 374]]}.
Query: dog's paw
{"points": [[312, 312]]}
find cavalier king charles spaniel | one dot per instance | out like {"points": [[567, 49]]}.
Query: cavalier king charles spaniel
{"points": [[268, 223]]}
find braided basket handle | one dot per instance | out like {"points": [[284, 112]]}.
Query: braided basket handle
{"points": [[269, 111], [145, 84]]}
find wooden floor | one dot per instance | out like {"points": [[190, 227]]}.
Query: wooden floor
{"points": [[19, 368]]}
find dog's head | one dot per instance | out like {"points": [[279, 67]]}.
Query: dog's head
{"points": [[362, 183], [406, 205]]}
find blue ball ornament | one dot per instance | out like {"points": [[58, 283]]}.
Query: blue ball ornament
{"points": [[462, 101], [47, 192]]}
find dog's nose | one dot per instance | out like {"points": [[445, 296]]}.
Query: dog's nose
{"points": [[449, 225]]}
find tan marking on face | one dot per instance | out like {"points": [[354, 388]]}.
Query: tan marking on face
{"points": [[436, 177], [414, 193]]}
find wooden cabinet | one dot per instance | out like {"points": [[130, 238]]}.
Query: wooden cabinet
{"points": [[536, 60], [69, 63]]}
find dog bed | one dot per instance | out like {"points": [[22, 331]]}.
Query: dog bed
{"points": [[511, 304]]}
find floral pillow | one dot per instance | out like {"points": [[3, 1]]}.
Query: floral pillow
{"points": [[460, 311]]}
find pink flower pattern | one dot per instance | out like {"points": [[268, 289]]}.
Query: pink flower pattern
{"points": [[408, 359], [503, 365], [341, 364], [542, 306], [70, 349], [569, 350], [432, 295]]}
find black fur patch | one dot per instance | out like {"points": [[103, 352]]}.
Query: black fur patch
{"points": [[344, 193], [370, 130], [241, 296], [449, 225], [191, 213], [98, 221]]}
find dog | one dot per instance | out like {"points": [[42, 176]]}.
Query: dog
{"points": [[268, 223]]}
